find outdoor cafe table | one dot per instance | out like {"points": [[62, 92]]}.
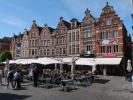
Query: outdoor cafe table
{"points": [[66, 83], [45, 80]]}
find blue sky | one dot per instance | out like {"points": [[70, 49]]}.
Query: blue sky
{"points": [[16, 15]]}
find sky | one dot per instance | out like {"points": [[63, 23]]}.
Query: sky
{"points": [[16, 15]]}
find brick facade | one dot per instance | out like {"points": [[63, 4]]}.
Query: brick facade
{"points": [[109, 34], [15, 46], [5, 44], [102, 37]]}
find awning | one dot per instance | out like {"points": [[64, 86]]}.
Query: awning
{"points": [[46, 61], [10, 62], [108, 61], [86, 61], [67, 60], [25, 61]]}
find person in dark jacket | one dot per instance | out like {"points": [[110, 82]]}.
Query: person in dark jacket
{"points": [[10, 77], [35, 76]]}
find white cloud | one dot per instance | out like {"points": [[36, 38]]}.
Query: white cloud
{"points": [[13, 22]]}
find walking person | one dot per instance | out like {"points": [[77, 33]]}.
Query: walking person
{"points": [[1, 75], [31, 74], [10, 78], [17, 79], [35, 76], [5, 73]]}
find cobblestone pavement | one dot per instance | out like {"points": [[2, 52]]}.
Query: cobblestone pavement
{"points": [[104, 88]]}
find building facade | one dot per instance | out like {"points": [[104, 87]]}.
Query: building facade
{"points": [[111, 34], [15, 46], [88, 34], [5, 44], [73, 38], [24, 45], [105, 36]]}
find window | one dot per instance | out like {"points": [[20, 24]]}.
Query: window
{"points": [[77, 36], [48, 42], [45, 42], [108, 49], [88, 48], [63, 40], [53, 42], [77, 49], [45, 33], [73, 36], [41, 43], [29, 42], [116, 48], [41, 52], [29, 51], [103, 49], [45, 52], [103, 35], [57, 51], [36, 43], [48, 52], [60, 50], [88, 33], [107, 34], [52, 51], [73, 49], [57, 41], [35, 51], [32, 44], [70, 37], [32, 52], [64, 51], [70, 49], [107, 21], [115, 33]]}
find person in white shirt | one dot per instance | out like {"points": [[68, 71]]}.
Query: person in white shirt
{"points": [[17, 78]]}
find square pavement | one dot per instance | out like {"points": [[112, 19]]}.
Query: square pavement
{"points": [[104, 88]]}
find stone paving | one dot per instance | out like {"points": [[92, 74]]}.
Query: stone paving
{"points": [[104, 88]]}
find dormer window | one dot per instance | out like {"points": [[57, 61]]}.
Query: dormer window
{"points": [[107, 21], [45, 33], [73, 24], [33, 34]]}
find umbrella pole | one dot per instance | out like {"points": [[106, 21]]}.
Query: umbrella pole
{"points": [[72, 68], [61, 67], [55, 67], [105, 71]]}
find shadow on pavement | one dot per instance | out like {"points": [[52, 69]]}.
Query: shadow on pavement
{"points": [[101, 81], [22, 88], [7, 96], [123, 90]]}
